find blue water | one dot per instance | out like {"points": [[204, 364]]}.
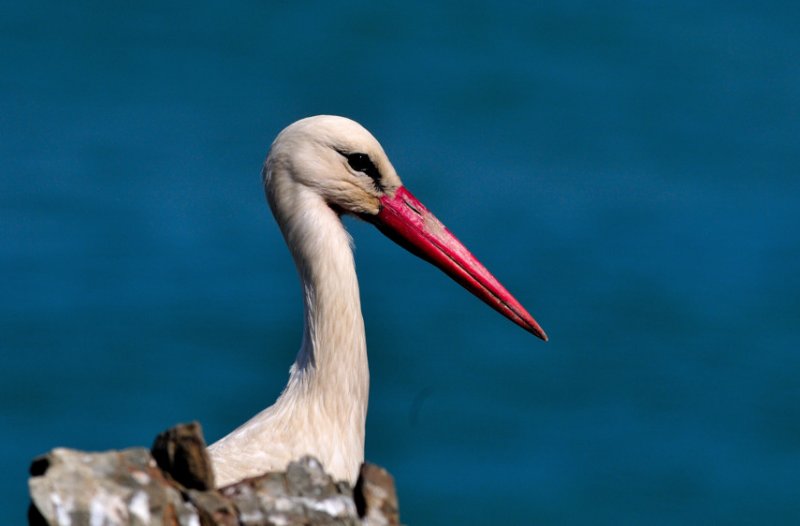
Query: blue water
{"points": [[631, 171]]}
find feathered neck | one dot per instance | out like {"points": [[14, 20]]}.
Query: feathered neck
{"points": [[331, 366]]}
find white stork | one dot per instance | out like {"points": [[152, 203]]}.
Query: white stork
{"points": [[318, 169]]}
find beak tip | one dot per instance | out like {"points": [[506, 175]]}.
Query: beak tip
{"points": [[537, 331]]}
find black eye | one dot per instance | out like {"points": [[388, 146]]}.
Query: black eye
{"points": [[360, 162]]}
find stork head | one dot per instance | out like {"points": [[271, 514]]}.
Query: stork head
{"points": [[338, 159], [341, 162]]}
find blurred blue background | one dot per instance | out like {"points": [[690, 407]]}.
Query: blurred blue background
{"points": [[630, 170]]}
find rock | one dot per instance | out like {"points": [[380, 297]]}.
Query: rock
{"points": [[303, 494], [375, 497], [181, 452], [214, 509], [174, 485], [116, 487]]}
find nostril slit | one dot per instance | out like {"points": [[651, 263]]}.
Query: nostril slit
{"points": [[412, 207]]}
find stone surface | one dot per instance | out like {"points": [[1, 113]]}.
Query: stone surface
{"points": [[181, 453], [116, 487], [375, 497], [303, 494], [174, 486]]}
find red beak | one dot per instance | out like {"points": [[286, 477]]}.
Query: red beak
{"points": [[405, 220]]}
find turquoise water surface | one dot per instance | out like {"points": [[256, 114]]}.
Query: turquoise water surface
{"points": [[629, 170]]}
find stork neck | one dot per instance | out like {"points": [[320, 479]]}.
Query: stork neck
{"points": [[332, 361]]}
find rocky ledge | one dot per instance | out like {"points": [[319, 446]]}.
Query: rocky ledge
{"points": [[173, 484]]}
